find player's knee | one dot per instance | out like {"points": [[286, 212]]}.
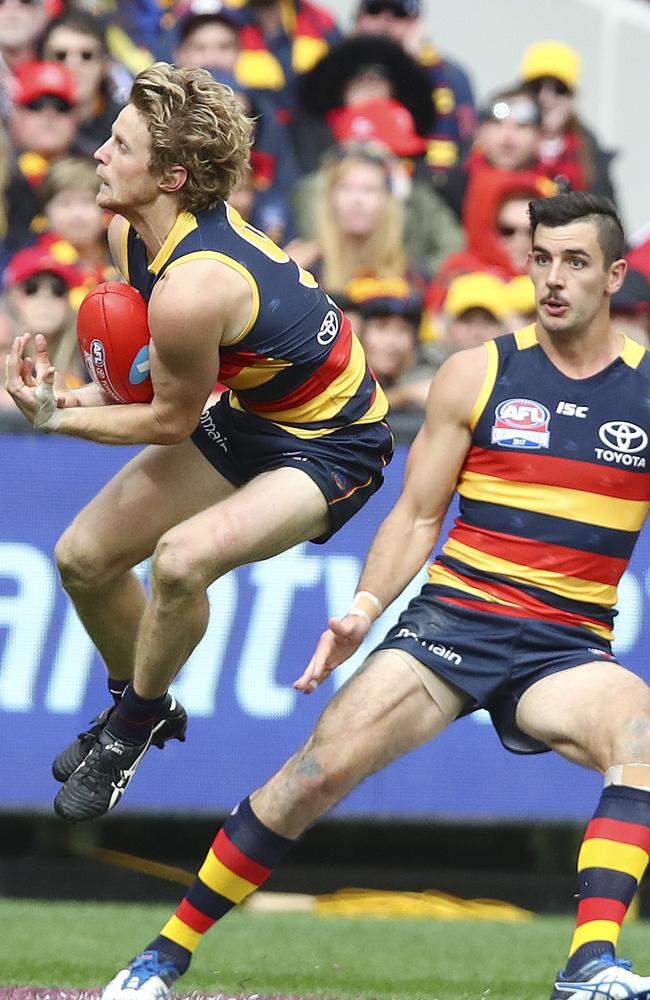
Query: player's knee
{"points": [[177, 569], [625, 737], [80, 566]]}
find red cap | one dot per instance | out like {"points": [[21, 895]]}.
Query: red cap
{"points": [[378, 120], [39, 260], [36, 79]]}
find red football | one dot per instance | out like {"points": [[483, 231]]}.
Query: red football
{"points": [[113, 334]]}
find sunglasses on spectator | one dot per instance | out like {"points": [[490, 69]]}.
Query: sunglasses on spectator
{"points": [[86, 55], [523, 111], [50, 282], [559, 88], [24, 3], [376, 7], [49, 102], [509, 231]]}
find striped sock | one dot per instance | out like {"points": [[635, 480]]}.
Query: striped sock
{"points": [[241, 858], [611, 863]]}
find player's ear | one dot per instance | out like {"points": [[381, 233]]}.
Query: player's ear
{"points": [[173, 179], [617, 274]]}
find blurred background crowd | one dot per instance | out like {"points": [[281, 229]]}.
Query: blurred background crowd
{"points": [[375, 165]]}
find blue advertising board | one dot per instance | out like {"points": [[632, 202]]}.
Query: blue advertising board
{"points": [[245, 718]]}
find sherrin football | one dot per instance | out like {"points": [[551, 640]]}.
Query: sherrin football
{"points": [[113, 334]]}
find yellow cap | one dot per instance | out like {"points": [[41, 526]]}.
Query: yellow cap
{"points": [[552, 59], [477, 291], [520, 294]]}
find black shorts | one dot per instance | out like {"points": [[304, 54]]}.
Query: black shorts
{"points": [[346, 465], [493, 658]]}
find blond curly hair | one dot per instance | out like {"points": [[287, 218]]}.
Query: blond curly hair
{"points": [[197, 123]]}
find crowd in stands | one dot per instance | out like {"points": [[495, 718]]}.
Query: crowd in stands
{"points": [[373, 165]]}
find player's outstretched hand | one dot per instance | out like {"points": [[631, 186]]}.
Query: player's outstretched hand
{"points": [[336, 644], [34, 396]]}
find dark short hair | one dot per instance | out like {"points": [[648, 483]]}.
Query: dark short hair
{"points": [[80, 21], [561, 209]]}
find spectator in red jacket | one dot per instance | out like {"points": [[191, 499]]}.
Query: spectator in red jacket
{"points": [[508, 138], [497, 230]]}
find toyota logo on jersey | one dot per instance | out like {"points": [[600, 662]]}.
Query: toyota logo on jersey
{"points": [[521, 423]]}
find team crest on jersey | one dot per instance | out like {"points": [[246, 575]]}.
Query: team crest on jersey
{"points": [[521, 423]]}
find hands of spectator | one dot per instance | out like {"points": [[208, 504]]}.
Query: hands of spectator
{"points": [[34, 395]]}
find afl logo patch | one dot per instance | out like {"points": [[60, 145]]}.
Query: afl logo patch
{"points": [[521, 423]]}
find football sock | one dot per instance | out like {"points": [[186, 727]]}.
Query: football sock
{"points": [[116, 688], [134, 717], [611, 863], [241, 858]]}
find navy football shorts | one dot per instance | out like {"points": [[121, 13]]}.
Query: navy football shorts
{"points": [[493, 658], [346, 465]]}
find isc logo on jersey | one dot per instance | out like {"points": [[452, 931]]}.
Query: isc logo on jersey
{"points": [[521, 423]]}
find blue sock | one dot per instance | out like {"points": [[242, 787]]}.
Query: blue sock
{"points": [[134, 717], [116, 688]]}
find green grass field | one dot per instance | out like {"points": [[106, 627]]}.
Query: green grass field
{"points": [[83, 945]]}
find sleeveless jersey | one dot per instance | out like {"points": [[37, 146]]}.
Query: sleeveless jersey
{"points": [[554, 489], [297, 362]]}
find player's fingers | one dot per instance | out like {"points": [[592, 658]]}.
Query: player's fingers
{"points": [[13, 366], [27, 372], [42, 355]]}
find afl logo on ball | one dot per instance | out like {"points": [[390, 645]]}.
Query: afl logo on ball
{"points": [[96, 365], [521, 423]]}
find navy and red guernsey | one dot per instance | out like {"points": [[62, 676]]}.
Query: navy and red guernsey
{"points": [[297, 362], [554, 489]]}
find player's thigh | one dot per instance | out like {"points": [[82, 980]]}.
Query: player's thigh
{"points": [[596, 714], [271, 513], [157, 489], [383, 711]]}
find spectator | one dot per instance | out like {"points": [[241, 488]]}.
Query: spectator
{"points": [[38, 290], [568, 150], [359, 223], [78, 40], [476, 309], [75, 223], [208, 36], [431, 231], [508, 138], [497, 229], [43, 126], [281, 39], [391, 311], [355, 77], [449, 84], [521, 301], [11, 419], [20, 27], [631, 307], [639, 256]]}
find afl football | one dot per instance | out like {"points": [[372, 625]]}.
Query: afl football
{"points": [[113, 334]]}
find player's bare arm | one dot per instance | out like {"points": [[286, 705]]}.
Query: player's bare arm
{"points": [[188, 313], [406, 537]]}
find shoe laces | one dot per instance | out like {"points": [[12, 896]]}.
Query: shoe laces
{"points": [[101, 761], [150, 964]]}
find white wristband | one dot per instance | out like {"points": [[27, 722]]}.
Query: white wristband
{"points": [[360, 613], [367, 606]]}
